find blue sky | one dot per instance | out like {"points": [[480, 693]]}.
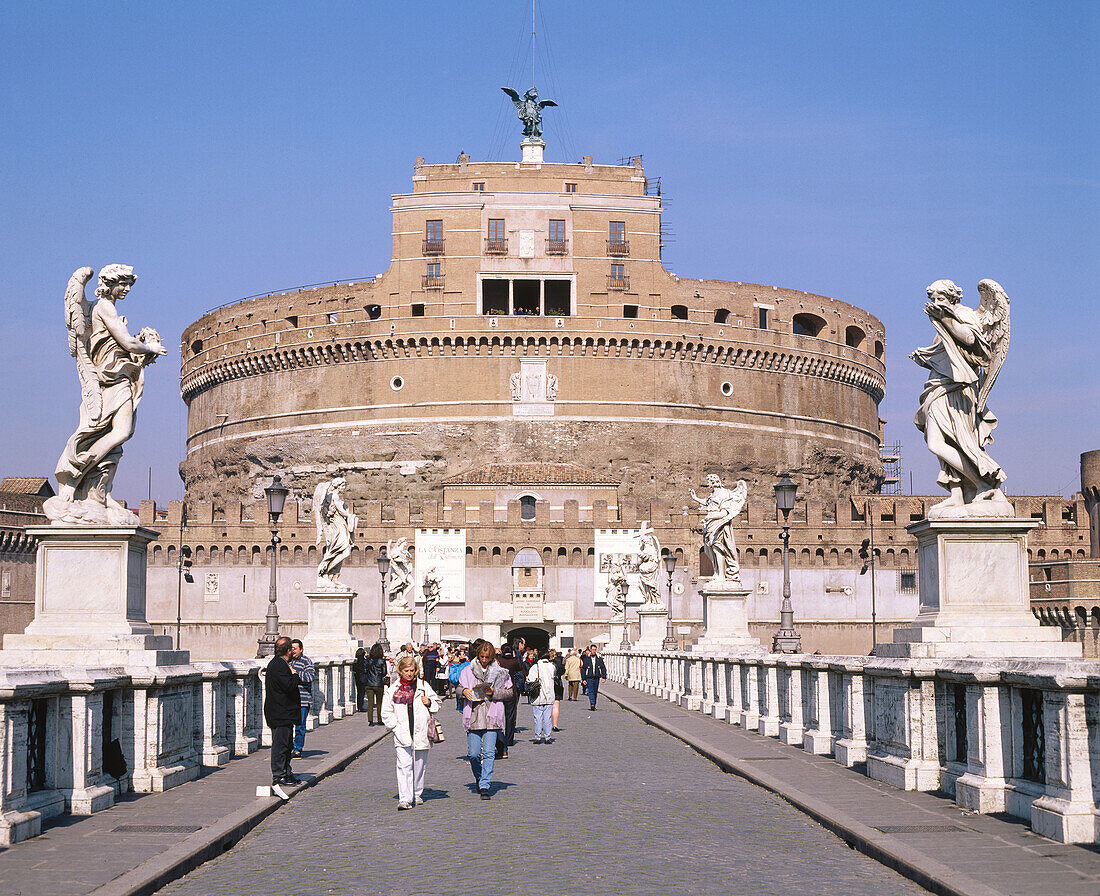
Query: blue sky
{"points": [[860, 150]]}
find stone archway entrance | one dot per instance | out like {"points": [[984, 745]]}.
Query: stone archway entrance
{"points": [[535, 637]]}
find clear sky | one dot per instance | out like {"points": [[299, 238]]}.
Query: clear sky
{"points": [[859, 150]]}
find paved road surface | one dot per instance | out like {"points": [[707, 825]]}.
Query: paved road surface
{"points": [[614, 806]]}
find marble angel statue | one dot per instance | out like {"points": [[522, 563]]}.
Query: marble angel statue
{"points": [[649, 566], [400, 576], [432, 586], [335, 530], [617, 587], [720, 508], [963, 363], [111, 366]]}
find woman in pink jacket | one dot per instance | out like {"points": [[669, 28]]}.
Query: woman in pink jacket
{"points": [[484, 687]]}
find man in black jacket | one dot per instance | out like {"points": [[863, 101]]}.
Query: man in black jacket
{"points": [[592, 670], [282, 702]]}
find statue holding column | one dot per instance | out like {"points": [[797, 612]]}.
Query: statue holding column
{"points": [[720, 508], [617, 586], [335, 529]]}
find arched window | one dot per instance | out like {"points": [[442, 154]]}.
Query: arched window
{"points": [[679, 312], [854, 336], [721, 315], [878, 349], [807, 324], [527, 507]]}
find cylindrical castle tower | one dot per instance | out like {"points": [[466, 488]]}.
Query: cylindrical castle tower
{"points": [[526, 317]]}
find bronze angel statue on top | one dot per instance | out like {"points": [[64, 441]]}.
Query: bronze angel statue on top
{"points": [[529, 110], [963, 363], [111, 365]]}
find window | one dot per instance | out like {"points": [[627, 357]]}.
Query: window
{"points": [[557, 230], [807, 325], [494, 297], [479, 187], [630, 311], [617, 231], [679, 312], [617, 278], [495, 243], [527, 507], [854, 336], [557, 295], [907, 581], [570, 188], [418, 309], [762, 318], [496, 228], [293, 321], [196, 346], [721, 315], [434, 269], [617, 271], [332, 317], [434, 278], [374, 311], [433, 237], [5, 584], [525, 297]]}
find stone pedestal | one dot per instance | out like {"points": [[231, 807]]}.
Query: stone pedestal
{"points": [[725, 621], [435, 631], [89, 602], [973, 585], [615, 630], [532, 148], [329, 629], [399, 628], [653, 626]]}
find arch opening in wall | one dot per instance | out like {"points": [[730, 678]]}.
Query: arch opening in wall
{"points": [[805, 324], [527, 507], [679, 312], [854, 337], [721, 315], [879, 351]]}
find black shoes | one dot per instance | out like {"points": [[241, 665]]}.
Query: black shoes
{"points": [[485, 793]]}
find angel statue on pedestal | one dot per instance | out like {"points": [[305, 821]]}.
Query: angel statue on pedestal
{"points": [[649, 566], [433, 586], [720, 509], [529, 110], [335, 529], [111, 365], [400, 578], [617, 586], [963, 363]]}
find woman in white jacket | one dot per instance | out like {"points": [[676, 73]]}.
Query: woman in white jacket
{"points": [[542, 705], [406, 705]]}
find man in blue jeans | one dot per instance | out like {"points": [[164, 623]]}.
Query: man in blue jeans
{"points": [[302, 665], [592, 670]]}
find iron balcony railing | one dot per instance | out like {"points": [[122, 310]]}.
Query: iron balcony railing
{"points": [[622, 283], [432, 282], [618, 247], [433, 247], [557, 247], [496, 247]]}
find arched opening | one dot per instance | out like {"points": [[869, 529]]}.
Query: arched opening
{"points": [[878, 349], [807, 324], [534, 637], [721, 315], [679, 312], [854, 336], [527, 507]]}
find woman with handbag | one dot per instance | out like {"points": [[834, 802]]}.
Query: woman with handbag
{"points": [[407, 708], [540, 688]]}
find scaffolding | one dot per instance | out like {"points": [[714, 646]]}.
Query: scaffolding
{"points": [[890, 455]]}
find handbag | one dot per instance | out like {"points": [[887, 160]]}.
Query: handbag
{"points": [[435, 730], [533, 689]]}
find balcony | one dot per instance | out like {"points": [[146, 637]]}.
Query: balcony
{"points": [[618, 247], [433, 247], [619, 283], [496, 247], [430, 282], [557, 247]]}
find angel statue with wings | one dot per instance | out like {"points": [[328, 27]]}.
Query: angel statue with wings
{"points": [[529, 110], [335, 529], [433, 589], [963, 364], [721, 508], [400, 576], [111, 365]]}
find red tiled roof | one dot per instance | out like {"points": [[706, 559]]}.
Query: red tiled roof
{"points": [[27, 485], [530, 474]]}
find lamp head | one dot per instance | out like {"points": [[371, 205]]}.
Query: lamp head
{"points": [[670, 563], [276, 498], [383, 564], [785, 491]]}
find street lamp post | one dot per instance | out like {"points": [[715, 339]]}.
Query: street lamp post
{"points": [[786, 640], [669, 643], [383, 571], [276, 498]]}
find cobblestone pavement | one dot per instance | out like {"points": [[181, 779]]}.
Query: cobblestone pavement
{"points": [[612, 807]]}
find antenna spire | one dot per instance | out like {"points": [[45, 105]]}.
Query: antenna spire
{"points": [[532, 43]]}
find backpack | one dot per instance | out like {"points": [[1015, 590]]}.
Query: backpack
{"points": [[455, 671], [532, 689]]}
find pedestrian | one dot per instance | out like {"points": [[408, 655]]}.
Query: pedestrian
{"points": [[377, 677], [359, 676], [430, 663], [559, 688], [592, 670], [485, 687], [517, 670], [542, 700], [573, 673], [406, 707], [281, 711], [460, 662], [440, 685], [303, 665]]}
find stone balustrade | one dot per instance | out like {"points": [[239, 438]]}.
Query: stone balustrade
{"points": [[75, 738], [1015, 736]]}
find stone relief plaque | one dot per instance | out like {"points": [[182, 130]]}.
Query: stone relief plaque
{"points": [[528, 606], [445, 551], [533, 390], [211, 589]]}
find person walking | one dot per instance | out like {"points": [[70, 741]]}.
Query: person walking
{"points": [[376, 677], [592, 670], [573, 673], [406, 707], [359, 676], [559, 687], [303, 666], [484, 688], [542, 702], [518, 673], [282, 704]]}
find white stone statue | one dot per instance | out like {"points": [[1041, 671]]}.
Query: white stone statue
{"points": [[617, 586], [433, 585], [111, 365], [515, 383], [649, 566], [551, 387], [400, 578], [335, 529], [720, 508], [963, 364]]}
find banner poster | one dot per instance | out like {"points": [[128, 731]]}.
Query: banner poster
{"points": [[445, 551], [616, 546]]}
